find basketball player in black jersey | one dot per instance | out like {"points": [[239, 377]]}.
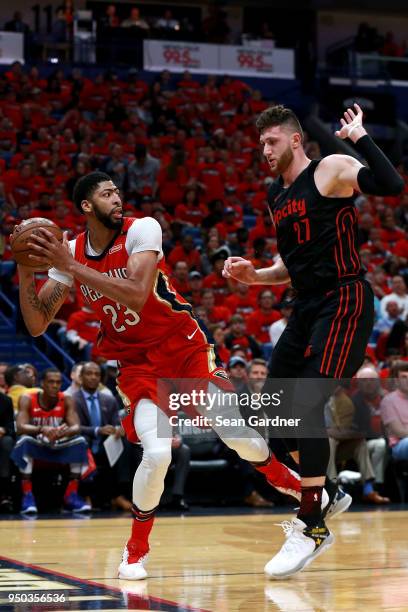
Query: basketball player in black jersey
{"points": [[311, 203]]}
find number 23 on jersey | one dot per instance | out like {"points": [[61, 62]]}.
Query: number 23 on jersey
{"points": [[128, 317]]}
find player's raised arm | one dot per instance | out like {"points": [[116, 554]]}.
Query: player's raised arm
{"points": [[243, 270], [39, 310], [379, 178]]}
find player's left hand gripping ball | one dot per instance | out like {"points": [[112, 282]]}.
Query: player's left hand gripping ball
{"points": [[48, 251]]}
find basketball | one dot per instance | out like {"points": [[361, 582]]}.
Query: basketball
{"points": [[22, 235]]}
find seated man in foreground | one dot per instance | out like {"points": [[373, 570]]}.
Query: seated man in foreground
{"points": [[49, 426]]}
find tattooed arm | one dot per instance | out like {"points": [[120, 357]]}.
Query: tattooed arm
{"points": [[39, 309]]}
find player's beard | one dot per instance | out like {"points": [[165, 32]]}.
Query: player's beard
{"points": [[283, 162], [107, 220]]}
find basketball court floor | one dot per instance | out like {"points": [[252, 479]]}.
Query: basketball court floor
{"points": [[202, 562]]}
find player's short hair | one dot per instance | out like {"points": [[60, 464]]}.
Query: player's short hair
{"points": [[279, 115], [47, 371], [86, 185]]}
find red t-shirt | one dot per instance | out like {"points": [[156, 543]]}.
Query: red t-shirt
{"points": [[193, 258], [258, 324], [218, 284], [238, 304], [401, 248], [180, 287], [219, 314], [191, 213], [87, 325]]}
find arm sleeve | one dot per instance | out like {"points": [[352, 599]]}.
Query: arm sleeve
{"points": [[380, 178], [63, 277], [145, 235]]}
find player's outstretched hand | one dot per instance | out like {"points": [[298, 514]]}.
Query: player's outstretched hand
{"points": [[240, 269], [352, 124]]}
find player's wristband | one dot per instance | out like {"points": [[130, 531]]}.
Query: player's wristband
{"points": [[380, 178]]}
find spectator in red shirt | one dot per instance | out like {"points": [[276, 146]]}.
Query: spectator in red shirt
{"points": [[262, 257], [179, 279], [24, 154], [24, 188], [172, 179], [248, 186], [82, 332], [215, 314], [191, 211], [194, 295], [242, 301], [44, 207], [259, 322], [379, 282], [220, 348], [211, 173], [185, 252], [237, 336], [377, 248], [264, 227], [228, 225], [401, 251], [390, 232], [216, 281], [215, 214], [64, 219]]}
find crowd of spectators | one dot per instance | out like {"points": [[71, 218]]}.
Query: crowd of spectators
{"points": [[185, 152], [367, 421], [369, 40]]}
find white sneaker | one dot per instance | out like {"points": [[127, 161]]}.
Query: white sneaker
{"points": [[132, 571], [340, 503], [301, 546]]}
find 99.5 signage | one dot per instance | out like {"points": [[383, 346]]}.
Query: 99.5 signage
{"points": [[179, 56], [218, 59]]}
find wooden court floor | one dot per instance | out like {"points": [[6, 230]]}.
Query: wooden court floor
{"points": [[212, 563]]}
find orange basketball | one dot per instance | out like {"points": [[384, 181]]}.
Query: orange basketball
{"points": [[22, 235]]}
